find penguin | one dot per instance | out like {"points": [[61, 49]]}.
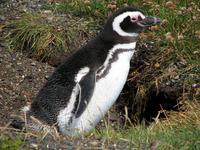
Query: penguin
{"points": [[85, 86]]}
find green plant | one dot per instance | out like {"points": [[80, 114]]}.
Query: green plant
{"points": [[36, 36], [8, 143]]}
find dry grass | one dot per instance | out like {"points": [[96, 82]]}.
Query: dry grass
{"points": [[32, 34], [42, 35]]}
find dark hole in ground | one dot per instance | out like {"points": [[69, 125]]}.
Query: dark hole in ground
{"points": [[159, 102], [153, 104]]}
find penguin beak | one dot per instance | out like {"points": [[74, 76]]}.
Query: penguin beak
{"points": [[149, 21]]}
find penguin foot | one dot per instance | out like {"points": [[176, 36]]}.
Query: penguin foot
{"points": [[31, 124], [18, 124]]}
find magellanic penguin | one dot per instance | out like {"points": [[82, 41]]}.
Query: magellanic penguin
{"points": [[86, 85]]}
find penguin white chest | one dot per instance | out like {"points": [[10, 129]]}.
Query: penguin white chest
{"points": [[107, 90]]}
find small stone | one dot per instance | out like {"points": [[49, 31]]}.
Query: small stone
{"points": [[167, 83], [179, 12], [86, 2], [48, 146], [195, 85], [112, 6], [112, 116], [125, 5], [190, 9], [8, 66], [39, 5], [157, 65], [50, 18], [169, 37], [154, 28], [33, 63], [114, 3], [173, 81], [33, 6], [24, 10], [183, 8], [196, 52], [46, 77], [19, 63], [47, 11], [2, 18], [164, 23], [94, 143], [198, 34], [34, 145], [157, 6], [176, 77], [170, 5], [180, 37]]}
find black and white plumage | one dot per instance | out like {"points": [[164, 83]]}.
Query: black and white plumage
{"points": [[85, 86]]}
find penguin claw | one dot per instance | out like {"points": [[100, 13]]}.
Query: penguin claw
{"points": [[18, 124]]}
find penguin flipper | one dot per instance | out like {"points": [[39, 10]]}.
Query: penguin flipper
{"points": [[86, 88]]}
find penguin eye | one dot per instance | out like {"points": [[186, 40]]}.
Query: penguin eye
{"points": [[133, 19], [137, 18]]}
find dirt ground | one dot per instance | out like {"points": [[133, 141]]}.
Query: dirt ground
{"points": [[20, 80]]}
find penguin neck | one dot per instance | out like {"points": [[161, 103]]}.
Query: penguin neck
{"points": [[116, 39]]}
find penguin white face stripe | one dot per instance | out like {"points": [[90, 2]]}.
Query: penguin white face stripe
{"points": [[113, 50], [117, 21], [82, 72]]}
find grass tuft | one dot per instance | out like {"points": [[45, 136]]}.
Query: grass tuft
{"points": [[35, 36], [7, 143], [42, 35]]}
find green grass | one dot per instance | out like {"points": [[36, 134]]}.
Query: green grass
{"points": [[10, 143], [34, 35], [179, 131]]}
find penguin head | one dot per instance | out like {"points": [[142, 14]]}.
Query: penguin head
{"points": [[128, 22]]}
